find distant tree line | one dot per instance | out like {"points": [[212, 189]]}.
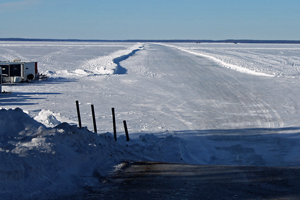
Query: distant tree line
{"points": [[175, 40]]}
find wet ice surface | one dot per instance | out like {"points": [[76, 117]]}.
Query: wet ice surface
{"points": [[180, 106]]}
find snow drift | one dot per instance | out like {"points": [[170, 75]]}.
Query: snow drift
{"points": [[102, 65], [36, 160], [254, 59]]}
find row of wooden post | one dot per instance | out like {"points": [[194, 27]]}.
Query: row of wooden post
{"points": [[94, 121]]}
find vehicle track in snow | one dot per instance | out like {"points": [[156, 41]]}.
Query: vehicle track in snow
{"points": [[219, 98], [171, 92], [274, 60], [10, 55], [167, 89]]}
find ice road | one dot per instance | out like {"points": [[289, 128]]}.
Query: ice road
{"points": [[226, 100]]}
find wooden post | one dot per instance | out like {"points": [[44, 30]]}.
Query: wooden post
{"points": [[126, 131], [94, 120], [114, 123], [78, 114]]}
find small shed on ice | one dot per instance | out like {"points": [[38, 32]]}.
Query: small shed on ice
{"points": [[17, 71]]}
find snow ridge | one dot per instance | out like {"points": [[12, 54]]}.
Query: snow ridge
{"points": [[109, 64], [102, 65], [222, 63], [38, 161]]}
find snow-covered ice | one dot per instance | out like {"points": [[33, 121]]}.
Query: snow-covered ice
{"points": [[279, 60], [191, 103], [36, 160]]}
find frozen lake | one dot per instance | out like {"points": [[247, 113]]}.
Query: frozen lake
{"points": [[214, 104], [174, 87], [233, 104]]}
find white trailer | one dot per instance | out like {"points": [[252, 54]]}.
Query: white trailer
{"points": [[17, 71]]}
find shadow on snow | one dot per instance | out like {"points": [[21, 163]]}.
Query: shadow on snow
{"points": [[120, 69], [248, 146], [21, 98]]}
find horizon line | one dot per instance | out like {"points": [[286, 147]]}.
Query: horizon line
{"points": [[155, 40]]}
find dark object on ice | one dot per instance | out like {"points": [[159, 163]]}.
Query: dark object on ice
{"points": [[114, 123], [18, 71], [94, 119], [78, 114], [126, 130]]}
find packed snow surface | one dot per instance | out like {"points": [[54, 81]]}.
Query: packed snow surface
{"points": [[279, 60], [192, 103]]}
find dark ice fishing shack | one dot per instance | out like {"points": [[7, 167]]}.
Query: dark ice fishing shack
{"points": [[18, 71]]}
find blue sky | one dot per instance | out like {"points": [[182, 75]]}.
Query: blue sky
{"points": [[151, 19]]}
